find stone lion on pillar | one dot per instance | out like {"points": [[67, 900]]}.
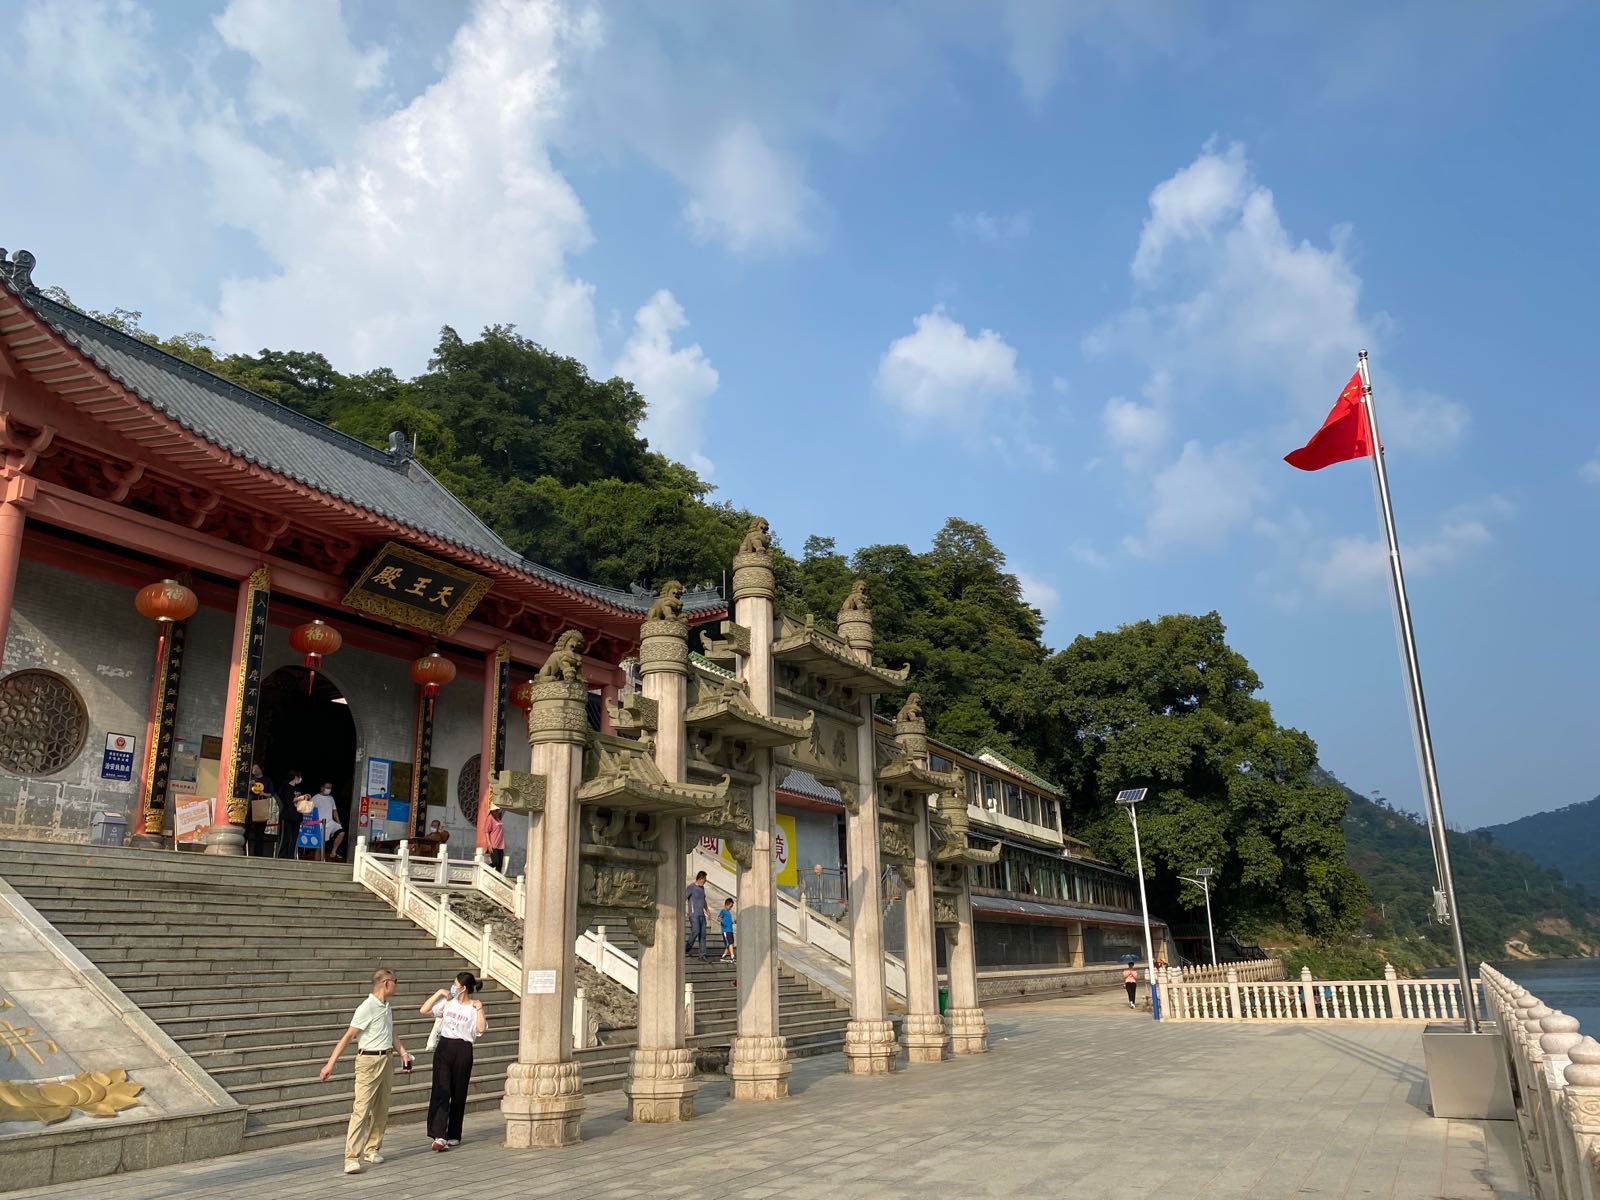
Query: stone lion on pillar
{"points": [[565, 663], [668, 605], [856, 601], [759, 538], [911, 710]]}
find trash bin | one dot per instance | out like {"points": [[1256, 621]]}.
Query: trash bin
{"points": [[944, 1000], [107, 829]]}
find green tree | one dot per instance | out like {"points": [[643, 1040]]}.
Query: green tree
{"points": [[1170, 706]]}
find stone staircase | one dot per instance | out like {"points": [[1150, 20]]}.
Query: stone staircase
{"points": [[253, 967], [812, 1020]]}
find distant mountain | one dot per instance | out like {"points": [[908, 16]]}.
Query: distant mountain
{"points": [[1565, 839], [1510, 904]]}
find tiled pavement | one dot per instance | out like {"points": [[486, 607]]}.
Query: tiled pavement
{"points": [[1069, 1103]]}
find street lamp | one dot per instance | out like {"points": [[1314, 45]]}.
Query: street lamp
{"points": [[1202, 879], [1128, 798]]}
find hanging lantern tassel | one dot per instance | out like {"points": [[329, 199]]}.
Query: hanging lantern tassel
{"points": [[315, 640], [431, 672]]}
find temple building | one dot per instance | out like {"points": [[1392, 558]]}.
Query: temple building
{"points": [[195, 579]]}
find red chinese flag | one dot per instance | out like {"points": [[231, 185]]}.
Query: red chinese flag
{"points": [[1343, 435]]}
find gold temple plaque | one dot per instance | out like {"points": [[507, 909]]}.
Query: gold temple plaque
{"points": [[414, 589]]}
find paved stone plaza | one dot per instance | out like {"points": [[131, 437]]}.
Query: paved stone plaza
{"points": [[1074, 1100]]}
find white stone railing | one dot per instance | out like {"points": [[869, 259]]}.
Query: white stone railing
{"points": [[1308, 999], [1250, 969], [385, 876], [799, 922], [425, 874], [1557, 1092]]}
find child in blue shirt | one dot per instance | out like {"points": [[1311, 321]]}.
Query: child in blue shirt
{"points": [[726, 917]]}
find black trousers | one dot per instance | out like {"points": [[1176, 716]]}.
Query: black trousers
{"points": [[288, 830], [262, 845], [497, 860], [447, 1106], [1133, 991]]}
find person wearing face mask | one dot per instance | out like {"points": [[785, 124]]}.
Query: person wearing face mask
{"points": [[289, 797], [332, 831], [311, 841], [461, 1023]]}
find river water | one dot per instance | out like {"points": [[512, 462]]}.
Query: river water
{"points": [[1569, 984]]}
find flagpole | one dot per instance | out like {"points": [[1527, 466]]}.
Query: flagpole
{"points": [[1419, 707]]}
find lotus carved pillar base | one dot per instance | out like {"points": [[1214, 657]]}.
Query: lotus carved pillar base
{"points": [[661, 1085], [969, 1031], [759, 1068], [543, 1105], [870, 1048], [923, 1036], [225, 839]]}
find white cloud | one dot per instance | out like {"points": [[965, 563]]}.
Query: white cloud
{"points": [[1044, 596], [1085, 553], [991, 229], [676, 382], [752, 197], [1190, 205], [1355, 569], [940, 378], [305, 71], [1197, 501], [447, 210], [1234, 310], [1590, 471], [1136, 431]]}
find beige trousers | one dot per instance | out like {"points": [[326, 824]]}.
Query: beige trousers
{"points": [[374, 1078]]}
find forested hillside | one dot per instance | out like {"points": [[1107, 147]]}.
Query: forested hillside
{"points": [[1504, 895], [1567, 839], [553, 460]]}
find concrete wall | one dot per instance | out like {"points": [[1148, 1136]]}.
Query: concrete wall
{"points": [[89, 633]]}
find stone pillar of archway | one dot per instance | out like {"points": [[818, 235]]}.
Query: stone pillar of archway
{"points": [[661, 1083], [759, 1062], [922, 1032], [969, 1029], [869, 1044], [543, 1102]]}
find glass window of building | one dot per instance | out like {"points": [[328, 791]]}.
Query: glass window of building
{"points": [[1013, 801]]}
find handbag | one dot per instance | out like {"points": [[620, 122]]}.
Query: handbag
{"points": [[303, 805], [263, 809]]}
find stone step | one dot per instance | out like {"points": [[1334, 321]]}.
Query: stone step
{"points": [[227, 1011], [116, 958], [280, 996], [324, 1028], [68, 854], [99, 881], [190, 913], [353, 973]]}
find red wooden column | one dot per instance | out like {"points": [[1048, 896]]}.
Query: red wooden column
{"points": [[18, 450], [239, 715]]}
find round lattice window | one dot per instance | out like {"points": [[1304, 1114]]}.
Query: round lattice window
{"points": [[43, 723], [467, 788]]}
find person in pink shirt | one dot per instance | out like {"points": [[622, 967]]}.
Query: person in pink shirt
{"points": [[495, 831]]}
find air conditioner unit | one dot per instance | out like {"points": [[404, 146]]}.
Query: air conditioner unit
{"points": [[992, 804]]}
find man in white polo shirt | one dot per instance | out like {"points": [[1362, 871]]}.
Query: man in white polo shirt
{"points": [[372, 1029]]}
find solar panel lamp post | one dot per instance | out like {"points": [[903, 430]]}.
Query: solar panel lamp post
{"points": [[1202, 880], [1129, 798]]}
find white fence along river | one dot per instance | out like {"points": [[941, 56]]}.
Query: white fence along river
{"points": [[1234, 998], [1555, 1073]]}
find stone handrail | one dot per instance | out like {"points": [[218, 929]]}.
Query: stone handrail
{"points": [[1307, 999], [1557, 1093], [1250, 969], [801, 923], [512, 895], [386, 876]]}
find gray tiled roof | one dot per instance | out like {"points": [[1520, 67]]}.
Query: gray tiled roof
{"points": [[290, 444], [804, 783]]}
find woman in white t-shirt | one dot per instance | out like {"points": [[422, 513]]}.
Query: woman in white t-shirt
{"points": [[462, 1022]]}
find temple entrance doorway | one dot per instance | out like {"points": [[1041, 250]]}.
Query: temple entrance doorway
{"points": [[309, 730]]}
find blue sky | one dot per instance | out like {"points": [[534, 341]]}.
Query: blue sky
{"points": [[1082, 272]]}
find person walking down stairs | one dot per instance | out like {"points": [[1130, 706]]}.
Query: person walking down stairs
{"points": [[372, 1029], [725, 917], [462, 1022], [695, 896]]}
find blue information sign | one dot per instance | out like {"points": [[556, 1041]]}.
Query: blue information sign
{"points": [[117, 763]]}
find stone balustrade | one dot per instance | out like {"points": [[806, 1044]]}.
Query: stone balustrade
{"points": [[1250, 969], [1557, 1074], [1236, 998]]}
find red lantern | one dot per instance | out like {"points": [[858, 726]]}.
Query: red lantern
{"points": [[167, 601], [314, 639], [522, 697], [431, 672]]}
